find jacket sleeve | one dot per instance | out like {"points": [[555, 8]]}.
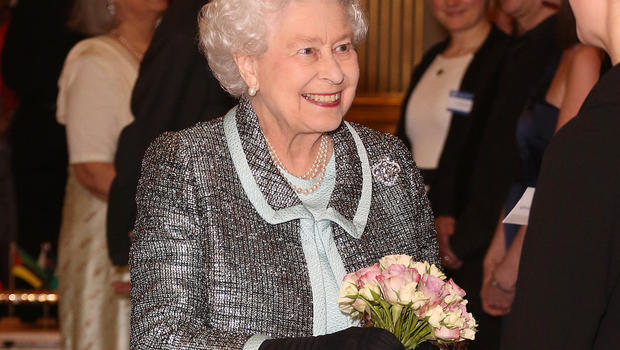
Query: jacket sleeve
{"points": [[167, 258], [423, 215]]}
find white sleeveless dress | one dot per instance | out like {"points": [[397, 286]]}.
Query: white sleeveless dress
{"points": [[94, 104]]}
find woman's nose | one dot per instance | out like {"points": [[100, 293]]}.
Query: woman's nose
{"points": [[331, 70]]}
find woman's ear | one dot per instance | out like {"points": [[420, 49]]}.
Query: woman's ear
{"points": [[247, 68]]}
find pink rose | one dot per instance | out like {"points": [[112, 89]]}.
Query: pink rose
{"points": [[367, 281], [367, 275], [452, 288], [446, 333], [397, 282], [432, 287]]}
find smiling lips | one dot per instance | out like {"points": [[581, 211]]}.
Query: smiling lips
{"points": [[323, 100]]}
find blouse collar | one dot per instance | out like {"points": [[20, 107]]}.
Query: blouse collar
{"points": [[267, 189]]}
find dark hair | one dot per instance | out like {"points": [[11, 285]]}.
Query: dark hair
{"points": [[566, 26], [91, 17]]}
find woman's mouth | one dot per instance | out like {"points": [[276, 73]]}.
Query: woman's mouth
{"points": [[323, 100]]}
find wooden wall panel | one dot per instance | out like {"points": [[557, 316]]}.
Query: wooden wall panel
{"points": [[393, 45], [387, 57]]}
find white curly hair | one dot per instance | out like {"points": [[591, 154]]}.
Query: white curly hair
{"points": [[229, 27]]}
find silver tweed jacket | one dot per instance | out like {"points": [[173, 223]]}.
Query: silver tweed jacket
{"points": [[207, 271]]}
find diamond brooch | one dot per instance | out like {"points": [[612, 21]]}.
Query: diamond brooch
{"points": [[386, 171]]}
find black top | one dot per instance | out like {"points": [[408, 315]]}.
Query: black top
{"points": [[175, 89], [496, 167], [568, 290], [447, 194]]}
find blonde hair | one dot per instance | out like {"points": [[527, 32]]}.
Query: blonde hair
{"points": [[92, 17], [229, 27]]}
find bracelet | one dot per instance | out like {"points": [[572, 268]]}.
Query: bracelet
{"points": [[496, 284]]}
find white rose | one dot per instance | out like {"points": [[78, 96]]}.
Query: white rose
{"points": [[418, 300], [435, 316], [472, 321], [406, 294], [345, 293], [366, 291], [453, 319], [395, 259], [468, 333], [422, 267], [435, 271], [360, 305], [451, 298]]}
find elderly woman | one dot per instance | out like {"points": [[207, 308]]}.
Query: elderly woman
{"points": [[93, 103], [247, 224]]}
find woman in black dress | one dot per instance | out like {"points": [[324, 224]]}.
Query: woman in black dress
{"points": [[568, 290]]}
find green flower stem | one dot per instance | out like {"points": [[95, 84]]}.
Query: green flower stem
{"points": [[378, 319]]}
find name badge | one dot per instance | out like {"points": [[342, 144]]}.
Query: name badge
{"points": [[460, 102]]}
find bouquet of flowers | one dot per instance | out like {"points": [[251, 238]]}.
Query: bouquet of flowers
{"points": [[411, 299]]}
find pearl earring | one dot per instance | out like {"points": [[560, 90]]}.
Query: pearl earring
{"points": [[252, 90]]}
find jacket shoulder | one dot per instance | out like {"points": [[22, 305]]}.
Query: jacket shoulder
{"points": [[377, 142]]}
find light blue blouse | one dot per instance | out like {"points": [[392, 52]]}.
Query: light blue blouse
{"points": [[325, 266]]}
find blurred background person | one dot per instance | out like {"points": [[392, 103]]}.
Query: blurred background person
{"points": [[463, 240], [36, 44], [577, 72], [93, 103], [445, 113], [175, 89], [450, 91], [568, 291]]}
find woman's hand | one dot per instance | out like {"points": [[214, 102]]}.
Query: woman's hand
{"points": [[445, 228], [496, 298], [353, 338]]}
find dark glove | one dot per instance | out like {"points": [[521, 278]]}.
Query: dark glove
{"points": [[354, 338]]}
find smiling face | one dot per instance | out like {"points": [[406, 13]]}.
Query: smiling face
{"points": [[459, 15], [308, 76]]}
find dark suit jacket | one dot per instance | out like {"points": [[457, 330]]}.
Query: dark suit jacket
{"points": [[523, 74], [447, 194], [175, 89], [568, 290]]}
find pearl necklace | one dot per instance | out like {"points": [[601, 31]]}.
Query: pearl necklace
{"points": [[317, 168], [121, 39]]}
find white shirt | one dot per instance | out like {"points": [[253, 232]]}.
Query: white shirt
{"points": [[427, 117]]}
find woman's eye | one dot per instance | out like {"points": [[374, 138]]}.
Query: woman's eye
{"points": [[306, 51], [343, 48]]}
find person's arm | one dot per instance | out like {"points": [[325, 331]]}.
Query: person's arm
{"points": [[500, 270], [167, 259], [583, 72], [505, 273], [96, 177]]}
